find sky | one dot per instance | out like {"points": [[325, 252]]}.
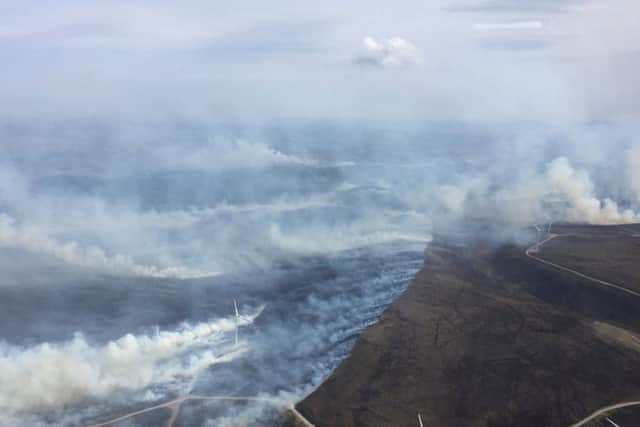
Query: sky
{"points": [[469, 60]]}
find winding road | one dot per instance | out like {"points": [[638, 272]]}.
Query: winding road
{"points": [[535, 249], [603, 411], [174, 407]]}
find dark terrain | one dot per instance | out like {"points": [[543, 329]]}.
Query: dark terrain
{"points": [[610, 253], [487, 336]]}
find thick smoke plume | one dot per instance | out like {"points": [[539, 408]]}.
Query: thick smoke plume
{"points": [[559, 192], [57, 374]]}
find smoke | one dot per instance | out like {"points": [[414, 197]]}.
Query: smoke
{"points": [[558, 192], [32, 238], [143, 142], [576, 189], [216, 205], [633, 171], [293, 219], [46, 213], [220, 154], [58, 374], [321, 240]]}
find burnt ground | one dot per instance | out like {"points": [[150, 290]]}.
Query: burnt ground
{"points": [[486, 336], [612, 253]]}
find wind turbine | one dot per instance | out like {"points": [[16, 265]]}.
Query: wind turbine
{"points": [[539, 232], [235, 307], [420, 420], [611, 422]]}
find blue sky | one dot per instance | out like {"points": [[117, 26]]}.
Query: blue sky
{"points": [[477, 60]]}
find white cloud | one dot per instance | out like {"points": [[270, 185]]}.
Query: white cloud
{"points": [[391, 52]]}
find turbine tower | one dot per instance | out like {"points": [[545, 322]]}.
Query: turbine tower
{"points": [[235, 307]]}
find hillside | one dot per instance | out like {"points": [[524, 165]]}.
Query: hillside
{"points": [[487, 336]]}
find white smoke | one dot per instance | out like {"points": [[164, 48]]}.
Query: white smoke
{"points": [[53, 375], [558, 193], [327, 240], [576, 188], [222, 154], [91, 221], [35, 239], [633, 170]]}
